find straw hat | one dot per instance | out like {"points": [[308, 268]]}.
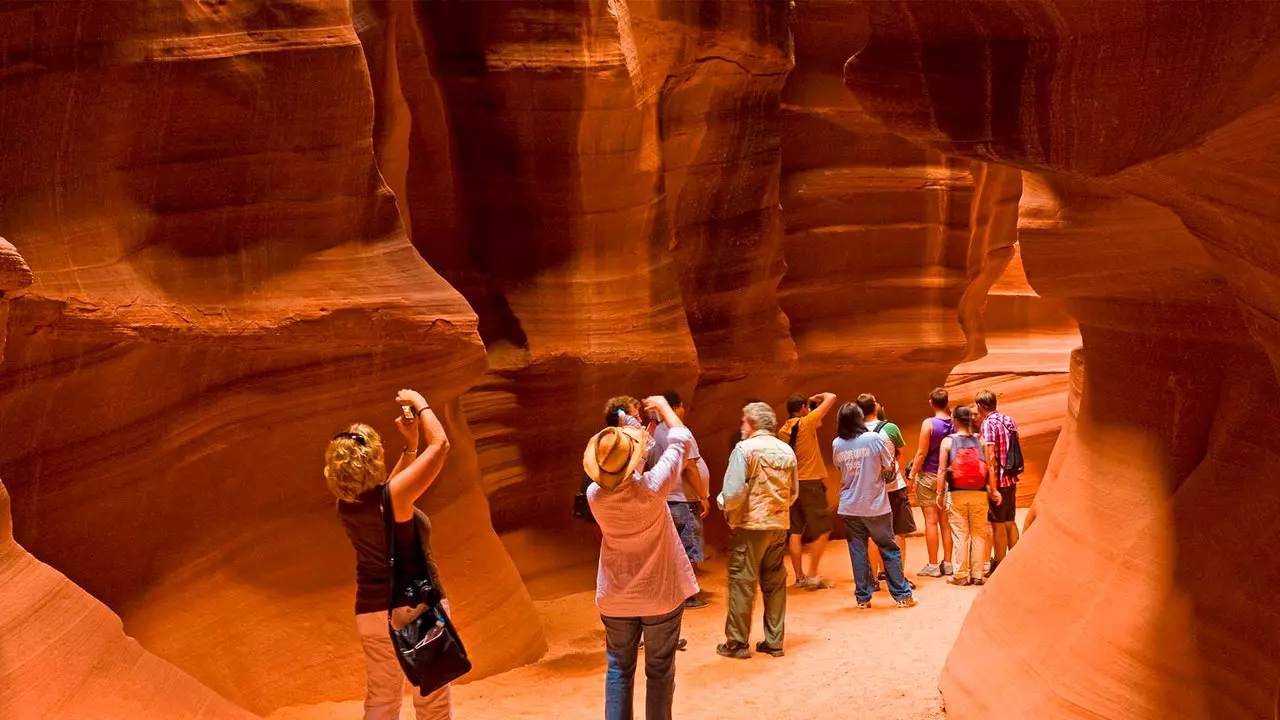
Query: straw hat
{"points": [[613, 455]]}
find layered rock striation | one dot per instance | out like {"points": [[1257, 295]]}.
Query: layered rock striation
{"points": [[1151, 130], [221, 282], [226, 208]]}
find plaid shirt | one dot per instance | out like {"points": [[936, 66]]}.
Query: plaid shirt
{"points": [[995, 431]]}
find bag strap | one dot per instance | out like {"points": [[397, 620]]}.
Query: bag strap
{"points": [[795, 431], [880, 426], [389, 520]]}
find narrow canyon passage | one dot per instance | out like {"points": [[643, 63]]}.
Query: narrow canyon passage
{"points": [[233, 227], [881, 664]]}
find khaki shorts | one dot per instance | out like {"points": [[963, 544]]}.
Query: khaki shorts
{"points": [[927, 490]]}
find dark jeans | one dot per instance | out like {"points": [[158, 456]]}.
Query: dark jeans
{"points": [[879, 529], [756, 556], [687, 517], [622, 644]]}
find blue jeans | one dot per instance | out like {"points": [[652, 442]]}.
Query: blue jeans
{"points": [[879, 529], [622, 644], [688, 523]]}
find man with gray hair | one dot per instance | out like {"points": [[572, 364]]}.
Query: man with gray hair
{"points": [[760, 485]]}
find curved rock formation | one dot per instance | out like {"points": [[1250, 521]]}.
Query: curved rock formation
{"points": [[47, 622], [1155, 126], [613, 196], [1028, 344], [221, 282]]}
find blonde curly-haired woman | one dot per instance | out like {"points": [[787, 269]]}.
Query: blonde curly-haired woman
{"points": [[355, 470]]}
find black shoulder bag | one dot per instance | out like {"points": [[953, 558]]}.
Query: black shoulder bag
{"points": [[581, 505], [428, 648]]}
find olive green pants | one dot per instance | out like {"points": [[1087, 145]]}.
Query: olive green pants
{"points": [[756, 556]]}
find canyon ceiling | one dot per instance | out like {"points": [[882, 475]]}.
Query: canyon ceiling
{"points": [[235, 226]]}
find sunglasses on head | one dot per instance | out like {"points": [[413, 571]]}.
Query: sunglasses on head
{"points": [[354, 436]]}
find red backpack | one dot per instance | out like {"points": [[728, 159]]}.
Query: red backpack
{"points": [[967, 466]]}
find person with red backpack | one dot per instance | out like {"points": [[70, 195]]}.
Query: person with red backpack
{"points": [[970, 482]]}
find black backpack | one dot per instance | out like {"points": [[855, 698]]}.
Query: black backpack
{"points": [[1014, 465]]}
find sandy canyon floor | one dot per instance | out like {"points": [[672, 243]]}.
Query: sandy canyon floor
{"points": [[881, 664]]}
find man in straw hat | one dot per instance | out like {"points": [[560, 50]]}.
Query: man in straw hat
{"points": [[760, 485], [644, 576]]}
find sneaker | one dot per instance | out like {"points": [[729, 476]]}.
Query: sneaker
{"points": [[881, 576], [876, 588], [930, 570], [947, 568], [907, 602], [736, 650], [911, 585], [803, 583], [959, 580], [682, 644], [761, 647], [864, 605], [978, 581], [817, 582], [694, 603]]}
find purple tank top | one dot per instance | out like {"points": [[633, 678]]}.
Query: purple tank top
{"points": [[941, 428]]}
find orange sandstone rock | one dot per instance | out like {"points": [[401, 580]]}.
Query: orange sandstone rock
{"points": [[221, 282], [1153, 129]]}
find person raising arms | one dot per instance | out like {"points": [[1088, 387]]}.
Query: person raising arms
{"points": [[355, 471], [810, 515]]}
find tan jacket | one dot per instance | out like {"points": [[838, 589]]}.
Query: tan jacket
{"points": [[760, 484]]}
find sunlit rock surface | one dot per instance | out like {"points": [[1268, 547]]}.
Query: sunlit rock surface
{"points": [[221, 282], [1155, 130], [248, 224]]}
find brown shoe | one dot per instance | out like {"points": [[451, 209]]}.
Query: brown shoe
{"points": [[762, 647]]}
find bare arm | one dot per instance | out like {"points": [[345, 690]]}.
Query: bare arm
{"points": [[944, 464], [993, 489], [922, 449], [410, 432], [409, 484], [693, 477], [826, 401]]}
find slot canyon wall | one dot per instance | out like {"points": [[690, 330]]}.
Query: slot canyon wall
{"points": [[221, 282], [1151, 133], [248, 223]]}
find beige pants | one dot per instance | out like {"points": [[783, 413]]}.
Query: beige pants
{"points": [[970, 531], [385, 680]]}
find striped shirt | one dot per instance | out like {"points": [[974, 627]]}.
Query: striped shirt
{"points": [[995, 431]]}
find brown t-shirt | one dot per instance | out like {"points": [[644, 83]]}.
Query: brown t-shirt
{"points": [[809, 465], [363, 523]]}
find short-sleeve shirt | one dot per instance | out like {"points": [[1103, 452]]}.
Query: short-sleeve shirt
{"points": [[677, 490], [809, 465], [893, 476], [995, 431], [862, 462]]}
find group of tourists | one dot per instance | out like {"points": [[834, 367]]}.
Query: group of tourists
{"points": [[648, 490], [644, 471]]}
